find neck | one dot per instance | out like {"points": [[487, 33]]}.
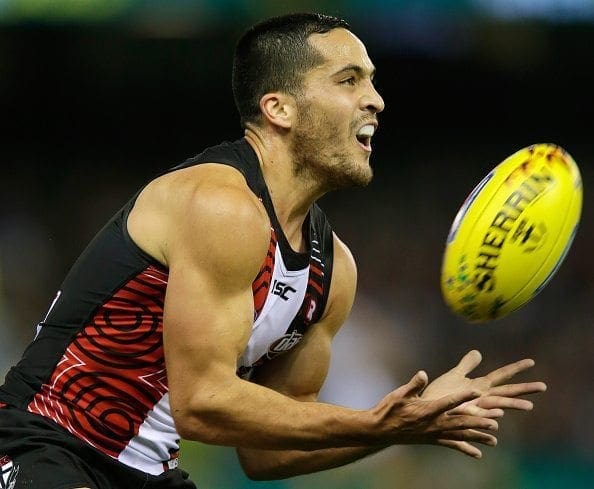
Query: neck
{"points": [[292, 196]]}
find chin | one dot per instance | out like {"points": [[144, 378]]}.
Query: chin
{"points": [[365, 179], [362, 174], [357, 176]]}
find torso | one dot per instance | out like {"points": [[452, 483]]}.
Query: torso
{"points": [[97, 367]]}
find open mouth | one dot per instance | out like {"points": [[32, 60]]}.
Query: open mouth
{"points": [[364, 135]]}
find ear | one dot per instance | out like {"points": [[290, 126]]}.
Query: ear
{"points": [[278, 109]]}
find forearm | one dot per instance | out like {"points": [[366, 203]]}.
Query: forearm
{"points": [[280, 464], [244, 414]]}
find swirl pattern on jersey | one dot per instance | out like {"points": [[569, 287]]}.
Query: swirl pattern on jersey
{"points": [[113, 371]]}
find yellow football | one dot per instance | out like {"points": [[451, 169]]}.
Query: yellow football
{"points": [[512, 233]]}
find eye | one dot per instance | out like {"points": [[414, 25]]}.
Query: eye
{"points": [[349, 81]]}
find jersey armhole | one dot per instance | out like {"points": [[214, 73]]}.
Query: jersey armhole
{"points": [[137, 250]]}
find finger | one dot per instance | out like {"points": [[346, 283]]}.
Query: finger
{"points": [[515, 390], [503, 374], [475, 410], [473, 436], [452, 401], [469, 362], [415, 386], [462, 446], [465, 422], [501, 402]]}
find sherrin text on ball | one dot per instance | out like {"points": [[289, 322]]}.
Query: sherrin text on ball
{"points": [[512, 233]]}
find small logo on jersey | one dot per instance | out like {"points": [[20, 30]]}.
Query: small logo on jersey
{"points": [[173, 462], [311, 308], [9, 471], [284, 343], [282, 289]]}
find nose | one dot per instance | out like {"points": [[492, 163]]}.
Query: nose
{"points": [[372, 101]]}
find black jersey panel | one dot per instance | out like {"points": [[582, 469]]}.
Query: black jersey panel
{"points": [[238, 154], [323, 244], [100, 270], [103, 267]]}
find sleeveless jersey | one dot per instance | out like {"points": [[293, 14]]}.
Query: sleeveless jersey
{"points": [[96, 366]]}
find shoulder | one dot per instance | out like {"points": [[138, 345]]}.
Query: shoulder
{"points": [[344, 269], [201, 213], [343, 285]]}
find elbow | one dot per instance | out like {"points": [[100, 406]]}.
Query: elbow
{"points": [[261, 465], [199, 424], [261, 472], [192, 428], [256, 475], [185, 426]]}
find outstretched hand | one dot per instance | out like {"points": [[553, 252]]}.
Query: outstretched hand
{"points": [[410, 419], [496, 393]]}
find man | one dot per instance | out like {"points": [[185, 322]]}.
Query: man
{"points": [[205, 309]]}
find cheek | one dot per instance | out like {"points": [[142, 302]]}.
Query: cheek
{"points": [[329, 116], [332, 103], [337, 122]]}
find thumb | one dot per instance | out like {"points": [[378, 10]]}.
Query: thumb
{"points": [[417, 384]]}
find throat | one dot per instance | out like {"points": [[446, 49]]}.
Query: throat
{"points": [[297, 236]]}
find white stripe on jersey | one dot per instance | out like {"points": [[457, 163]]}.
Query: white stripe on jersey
{"points": [[278, 313], [156, 437]]}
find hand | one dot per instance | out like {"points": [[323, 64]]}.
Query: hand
{"points": [[496, 394], [410, 419]]}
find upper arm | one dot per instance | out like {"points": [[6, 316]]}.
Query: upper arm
{"points": [[213, 237], [301, 372]]}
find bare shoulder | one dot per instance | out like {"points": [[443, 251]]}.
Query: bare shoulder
{"points": [[344, 262], [343, 285], [202, 213]]}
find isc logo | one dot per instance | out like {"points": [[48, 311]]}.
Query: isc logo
{"points": [[282, 289]]}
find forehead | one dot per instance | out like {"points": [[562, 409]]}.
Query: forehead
{"points": [[340, 48]]}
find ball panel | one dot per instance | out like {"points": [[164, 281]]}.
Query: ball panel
{"points": [[548, 267], [511, 233]]}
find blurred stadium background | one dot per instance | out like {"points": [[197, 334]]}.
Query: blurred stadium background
{"points": [[96, 96]]}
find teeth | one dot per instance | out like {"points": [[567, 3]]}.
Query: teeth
{"points": [[366, 131]]}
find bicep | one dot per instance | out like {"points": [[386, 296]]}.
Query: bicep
{"points": [[215, 246], [205, 329]]}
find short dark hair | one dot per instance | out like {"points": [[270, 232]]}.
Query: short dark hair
{"points": [[273, 55]]}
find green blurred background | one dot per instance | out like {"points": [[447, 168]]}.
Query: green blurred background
{"points": [[97, 96]]}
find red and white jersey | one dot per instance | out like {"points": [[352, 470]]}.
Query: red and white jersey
{"points": [[96, 366]]}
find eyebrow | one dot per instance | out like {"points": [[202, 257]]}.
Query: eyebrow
{"points": [[357, 69]]}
